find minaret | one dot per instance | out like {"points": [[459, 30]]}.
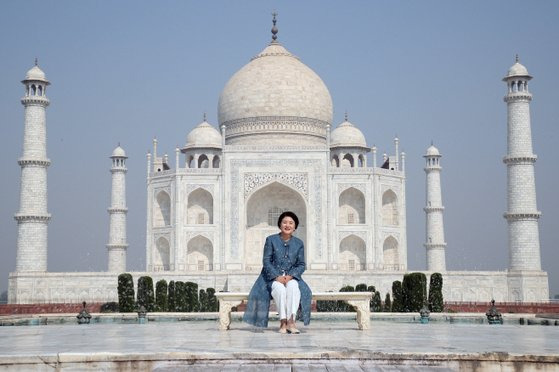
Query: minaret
{"points": [[33, 218], [117, 212], [522, 213], [434, 228]]}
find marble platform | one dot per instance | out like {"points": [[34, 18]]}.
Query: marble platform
{"points": [[324, 345]]}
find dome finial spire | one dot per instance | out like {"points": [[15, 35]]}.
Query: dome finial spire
{"points": [[205, 116], [517, 59], [36, 61], [345, 115], [274, 28]]}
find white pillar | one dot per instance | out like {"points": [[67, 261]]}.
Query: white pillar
{"points": [[434, 228], [33, 218], [522, 213], [117, 213]]}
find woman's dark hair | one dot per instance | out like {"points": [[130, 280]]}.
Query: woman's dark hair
{"points": [[288, 214]]}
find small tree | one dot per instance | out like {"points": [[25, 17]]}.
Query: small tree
{"points": [[213, 304], [180, 297], [387, 304], [203, 296], [436, 303], [146, 296], [171, 304], [398, 304], [192, 302], [414, 291], [161, 295], [361, 287], [125, 293], [342, 306], [371, 289], [377, 305]]}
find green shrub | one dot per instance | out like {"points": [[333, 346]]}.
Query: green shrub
{"points": [[414, 289], [146, 296], [192, 302], [397, 304], [213, 303], [371, 289], [171, 298], [161, 302], [436, 303], [203, 296], [387, 304], [109, 307], [342, 306], [126, 293], [361, 287], [377, 305], [180, 297]]}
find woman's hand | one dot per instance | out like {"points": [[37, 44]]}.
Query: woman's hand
{"points": [[283, 279]]}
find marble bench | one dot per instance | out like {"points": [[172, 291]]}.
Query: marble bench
{"points": [[358, 300]]}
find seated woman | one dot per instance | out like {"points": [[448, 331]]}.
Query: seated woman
{"points": [[280, 279]]}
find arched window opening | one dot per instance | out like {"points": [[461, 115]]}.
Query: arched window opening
{"points": [[390, 254], [361, 162], [351, 208], [352, 254], [162, 210], [199, 256], [203, 161], [190, 162], [200, 207], [40, 90], [216, 162], [348, 161], [390, 208], [33, 90], [161, 255], [335, 161]]}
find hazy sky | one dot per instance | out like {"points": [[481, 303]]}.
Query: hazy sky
{"points": [[427, 71]]}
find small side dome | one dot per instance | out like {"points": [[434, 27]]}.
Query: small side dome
{"points": [[347, 135], [433, 151], [204, 135], [35, 73], [118, 153]]}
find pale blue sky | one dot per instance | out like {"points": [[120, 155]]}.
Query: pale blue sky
{"points": [[427, 71]]}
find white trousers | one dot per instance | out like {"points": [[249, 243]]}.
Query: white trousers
{"points": [[287, 298]]}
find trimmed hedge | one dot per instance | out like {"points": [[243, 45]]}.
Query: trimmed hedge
{"points": [[213, 303], [180, 296], [171, 304], [192, 303], [377, 305], [126, 293], [414, 291], [436, 303], [387, 304], [161, 303], [146, 296], [397, 295]]}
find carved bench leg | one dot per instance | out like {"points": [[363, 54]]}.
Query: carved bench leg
{"points": [[225, 313], [363, 313]]}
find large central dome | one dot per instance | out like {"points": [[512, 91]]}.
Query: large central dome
{"points": [[275, 99]]}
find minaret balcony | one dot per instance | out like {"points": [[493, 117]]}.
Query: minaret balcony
{"points": [[522, 216], [117, 210], [35, 100], [34, 162], [526, 159], [20, 217], [433, 209], [519, 96]]}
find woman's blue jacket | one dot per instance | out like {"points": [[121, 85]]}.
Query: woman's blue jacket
{"points": [[280, 258]]}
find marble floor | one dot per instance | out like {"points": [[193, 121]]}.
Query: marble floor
{"points": [[324, 345]]}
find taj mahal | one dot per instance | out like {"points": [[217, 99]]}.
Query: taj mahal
{"points": [[275, 148]]}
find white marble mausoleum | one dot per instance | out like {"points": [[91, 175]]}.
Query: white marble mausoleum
{"points": [[276, 148]]}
